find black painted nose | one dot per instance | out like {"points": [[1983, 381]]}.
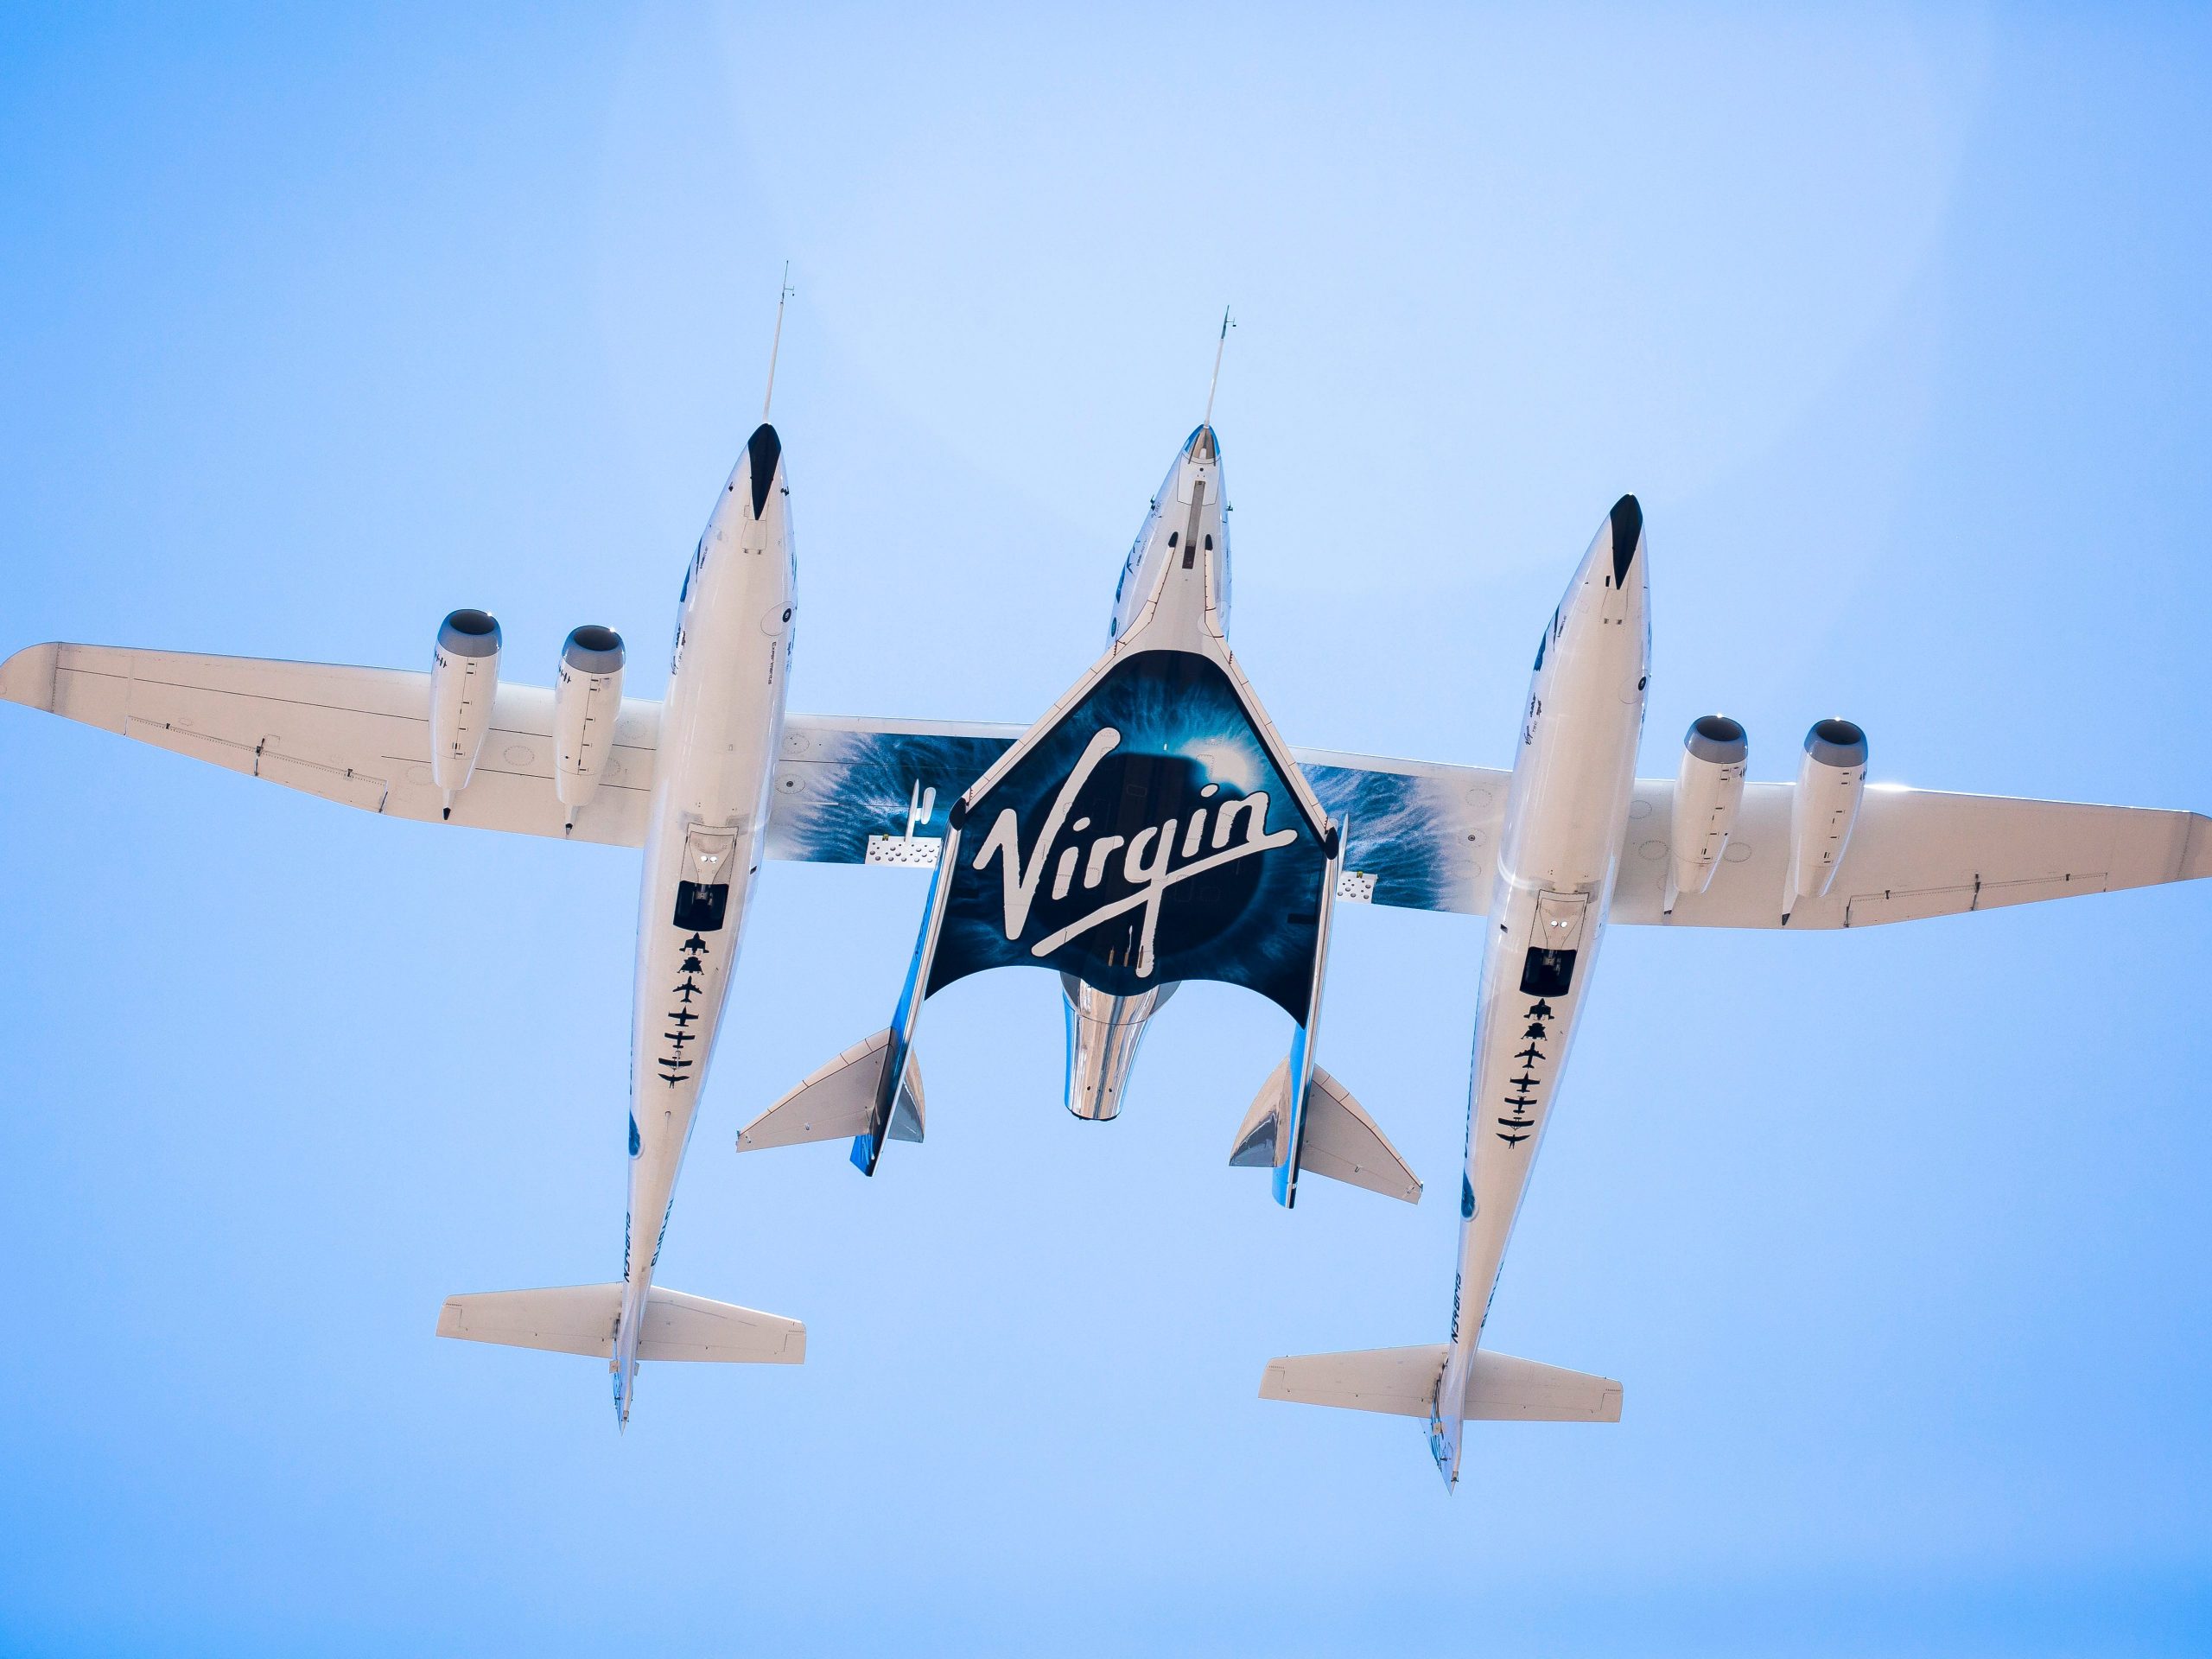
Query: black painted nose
{"points": [[765, 450], [1628, 536]]}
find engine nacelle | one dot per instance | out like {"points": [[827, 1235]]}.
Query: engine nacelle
{"points": [[585, 704], [1830, 781], [464, 678], [1708, 791]]}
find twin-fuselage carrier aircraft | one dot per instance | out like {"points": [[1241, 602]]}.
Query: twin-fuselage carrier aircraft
{"points": [[1151, 826]]}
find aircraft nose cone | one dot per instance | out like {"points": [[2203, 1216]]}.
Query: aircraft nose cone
{"points": [[1627, 537], [764, 450], [1203, 445]]}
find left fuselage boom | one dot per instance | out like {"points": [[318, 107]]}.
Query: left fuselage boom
{"points": [[1573, 779], [720, 730]]}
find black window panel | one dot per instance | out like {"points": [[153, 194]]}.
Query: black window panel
{"points": [[700, 908], [1546, 973]]}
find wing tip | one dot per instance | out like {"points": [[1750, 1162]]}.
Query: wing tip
{"points": [[2196, 852], [28, 676]]}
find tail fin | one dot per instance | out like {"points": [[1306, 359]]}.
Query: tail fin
{"points": [[580, 1319], [1341, 1140], [1402, 1380], [837, 1102]]}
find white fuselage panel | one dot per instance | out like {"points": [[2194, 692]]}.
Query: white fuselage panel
{"points": [[719, 738], [1573, 779]]}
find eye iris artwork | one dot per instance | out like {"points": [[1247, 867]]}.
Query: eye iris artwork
{"points": [[1121, 851]]}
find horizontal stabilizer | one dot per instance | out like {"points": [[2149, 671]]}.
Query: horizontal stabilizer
{"points": [[837, 1102], [580, 1319], [1341, 1141], [1402, 1380]]}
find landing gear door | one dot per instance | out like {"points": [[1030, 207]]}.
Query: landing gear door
{"points": [[1561, 918]]}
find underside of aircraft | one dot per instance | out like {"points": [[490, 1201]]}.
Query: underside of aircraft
{"points": [[1151, 827]]}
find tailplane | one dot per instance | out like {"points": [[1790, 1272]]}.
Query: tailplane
{"points": [[580, 1319], [1402, 1381]]}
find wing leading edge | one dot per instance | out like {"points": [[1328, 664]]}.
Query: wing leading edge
{"points": [[847, 790], [1420, 835], [1914, 853], [360, 736], [1424, 834]]}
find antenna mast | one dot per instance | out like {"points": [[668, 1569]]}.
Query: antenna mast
{"points": [[1220, 345], [777, 345]]}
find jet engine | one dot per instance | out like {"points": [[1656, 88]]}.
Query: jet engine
{"points": [[1104, 1032], [464, 677], [1708, 791], [586, 701], [1830, 781]]}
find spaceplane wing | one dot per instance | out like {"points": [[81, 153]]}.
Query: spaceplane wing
{"points": [[1151, 828]]}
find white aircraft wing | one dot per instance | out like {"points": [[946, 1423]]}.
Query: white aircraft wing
{"points": [[855, 792], [360, 736], [1422, 836], [1913, 852]]}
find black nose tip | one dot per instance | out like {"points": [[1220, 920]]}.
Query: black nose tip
{"points": [[766, 449], [1628, 530]]}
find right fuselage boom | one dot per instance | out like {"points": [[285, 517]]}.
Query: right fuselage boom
{"points": [[718, 742], [1572, 777]]}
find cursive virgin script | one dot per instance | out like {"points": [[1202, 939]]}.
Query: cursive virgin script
{"points": [[1148, 857]]}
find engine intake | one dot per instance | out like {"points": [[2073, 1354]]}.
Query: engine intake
{"points": [[586, 702], [1831, 779], [464, 681], [1708, 789]]}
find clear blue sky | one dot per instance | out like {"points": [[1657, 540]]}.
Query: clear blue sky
{"points": [[313, 328]]}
